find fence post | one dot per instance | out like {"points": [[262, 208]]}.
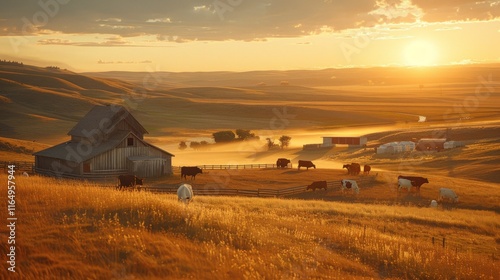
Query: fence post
{"points": [[258, 192], [444, 241], [364, 232], [433, 240]]}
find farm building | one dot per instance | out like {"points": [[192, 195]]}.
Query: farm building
{"points": [[430, 144], [453, 144], [396, 147], [108, 141], [332, 141]]}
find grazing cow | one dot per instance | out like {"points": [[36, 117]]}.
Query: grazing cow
{"points": [[434, 204], [185, 193], [282, 162], [404, 183], [306, 163], [25, 174], [353, 168], [447, 194], [129, 181], [317, 185], [415, 181], [190, 171], [349, 184], [366, 169]]}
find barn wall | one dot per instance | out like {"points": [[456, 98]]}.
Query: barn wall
{"points": [[137, 143], [116, 159], [57, 166], [354, 141], [147, 168], [123, 125]]}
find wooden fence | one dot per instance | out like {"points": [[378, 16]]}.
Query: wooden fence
{"points": [[19, 165], [238, 166], [239, 192]]}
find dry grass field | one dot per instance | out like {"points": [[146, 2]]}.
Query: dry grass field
{"points": [[77, 230]]}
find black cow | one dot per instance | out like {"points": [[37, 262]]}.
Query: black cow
{"points": [[190, 171], [415, 180], [317, 185], [282, 162], [306, 163], [129, 181]]}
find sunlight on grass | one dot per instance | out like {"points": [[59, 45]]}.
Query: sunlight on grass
{"points": [[80, 230]]}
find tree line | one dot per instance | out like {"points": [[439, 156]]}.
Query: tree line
{"points": [[228, 136]]}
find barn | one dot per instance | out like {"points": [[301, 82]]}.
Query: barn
{"points": [[331, 141], [107, 141]]}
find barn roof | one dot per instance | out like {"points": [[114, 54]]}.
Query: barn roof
{"points": [[104, 118], [69, 150]]}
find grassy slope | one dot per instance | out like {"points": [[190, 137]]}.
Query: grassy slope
{"points": [[19, 150], [77, 230]]}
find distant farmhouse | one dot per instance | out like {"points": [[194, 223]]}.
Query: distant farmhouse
{"points": [[332, 141], [108, 141]]}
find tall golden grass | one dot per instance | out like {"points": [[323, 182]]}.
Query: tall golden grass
{"points": [[80, 230]]}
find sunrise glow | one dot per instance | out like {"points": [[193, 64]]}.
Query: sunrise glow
{"points": [[420, 53]]}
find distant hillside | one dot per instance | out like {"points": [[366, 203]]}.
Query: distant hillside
{"points": [[43, 104], [376, 76], [40, 102]]}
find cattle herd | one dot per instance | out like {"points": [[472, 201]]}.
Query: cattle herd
{"points": [[185, 191]]}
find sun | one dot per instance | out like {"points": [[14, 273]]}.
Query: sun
{"points": [[420, 53]]}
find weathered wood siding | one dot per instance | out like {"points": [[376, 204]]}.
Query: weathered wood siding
{"points": [[57, 166], [117, 158], [153, 167]]}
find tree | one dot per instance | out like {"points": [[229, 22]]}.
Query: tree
{"points": [[244, 134], [224, 136], [182, 146], [270, 144], [194, 145], [285, 141]]}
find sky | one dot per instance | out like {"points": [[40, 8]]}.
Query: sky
{"points": [[246, 35]]}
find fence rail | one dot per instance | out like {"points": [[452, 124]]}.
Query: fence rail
{"points": [[19, 165], [238, 166], [240, 192]]}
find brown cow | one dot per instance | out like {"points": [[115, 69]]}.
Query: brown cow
{"points": [[306, 163], [190, 171], [317, 185], [129, 181], [282, 162], [366, 169], [416, 182], [353, 168]]}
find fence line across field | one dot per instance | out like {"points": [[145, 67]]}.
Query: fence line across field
{"points": [[19, 165], [241, 192], [238, 166]]}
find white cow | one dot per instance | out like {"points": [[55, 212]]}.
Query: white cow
{"points": [[25, 174], [434, 204], [349, 184], [185, 193], [447, 194], [404, 183]]}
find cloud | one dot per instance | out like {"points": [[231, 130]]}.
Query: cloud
{"points": [[109, 42], [100, 61], [159, 20], [216, 20]]}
